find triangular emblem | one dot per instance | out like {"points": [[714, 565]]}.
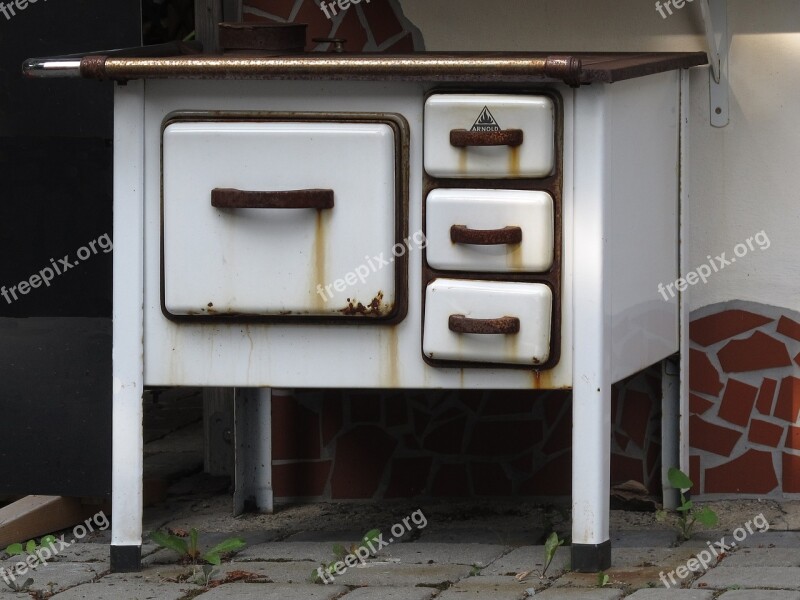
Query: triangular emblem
{"points": [[485, 121]]}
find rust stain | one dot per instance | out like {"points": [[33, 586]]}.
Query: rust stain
{"points": [[512, 346], [514, 257], [513, 161], [375, 308], [390, 368], [462, 161], [543, 380], [318, 272]]}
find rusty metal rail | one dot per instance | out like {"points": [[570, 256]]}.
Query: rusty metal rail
{"points": [[492, 67]]}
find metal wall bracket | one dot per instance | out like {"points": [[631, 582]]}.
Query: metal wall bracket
{"points": [[715, 19]]}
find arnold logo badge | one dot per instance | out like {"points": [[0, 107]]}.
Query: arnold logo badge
{"points": [[485, 121]]}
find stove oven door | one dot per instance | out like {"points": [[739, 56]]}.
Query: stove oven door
{"points": [[284, 216]]}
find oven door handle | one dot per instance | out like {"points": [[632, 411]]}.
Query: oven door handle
{"points": [[461, 138], [461, 234], [501, 326], [232, 198]]}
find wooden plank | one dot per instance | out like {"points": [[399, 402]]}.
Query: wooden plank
{"points": [[34, 516], [207, 16]]}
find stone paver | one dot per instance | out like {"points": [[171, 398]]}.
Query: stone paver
{"points": [[278, 572], [131, 586], [478, 555], [527, 558], [762, 557], [496, 588], [399, 575], [56, 577], [481, 535], [641, 557], [345, 536], [313, 551], [571, 594], [665, 594], [389, 593], [90, 552], [759, 595], [273, 591], [663, 538], [767, 578]]}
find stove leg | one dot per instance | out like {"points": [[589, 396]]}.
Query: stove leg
{"points": [[670, 428], [128, 330], [591, 368], [253, 447]]}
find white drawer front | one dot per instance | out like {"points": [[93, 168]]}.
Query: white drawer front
{"points": [[473, 302], [473, 117], [478, 230], [278, 261]]}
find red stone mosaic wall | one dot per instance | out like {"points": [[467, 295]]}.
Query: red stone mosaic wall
{"points": [[374, 445], [745, 401], [368, 25]]}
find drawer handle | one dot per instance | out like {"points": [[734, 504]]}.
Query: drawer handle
{"points": [[232, 198], [461, 234], [501, 326], [461, 138]]}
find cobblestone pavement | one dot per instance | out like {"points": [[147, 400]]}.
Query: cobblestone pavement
{"points": [[462, 557]]}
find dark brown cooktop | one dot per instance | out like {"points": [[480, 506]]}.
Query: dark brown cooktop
{"points": [[573, 68]]}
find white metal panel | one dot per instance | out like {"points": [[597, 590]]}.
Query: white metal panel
{"points": [[643, 169], [534, 115], [531, 211], [291, 355], [531, 303], [277, 261]]}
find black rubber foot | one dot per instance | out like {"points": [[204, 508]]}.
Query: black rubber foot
{"points": [[126, 559], [591, 558]]}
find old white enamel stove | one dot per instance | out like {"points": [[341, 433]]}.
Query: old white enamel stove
{"points": [[423, 221]]}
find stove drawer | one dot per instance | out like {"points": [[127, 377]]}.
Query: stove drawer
{"points": [[489, 136], [489, 230], [274, 218], [487, 322]]}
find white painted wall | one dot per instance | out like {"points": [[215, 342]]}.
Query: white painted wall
{"points": [[744, 177]]}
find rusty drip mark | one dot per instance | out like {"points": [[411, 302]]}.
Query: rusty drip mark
{"points": [[514, 161], [514, 256], [391, 358], [512, 346], [318, 274], [462, 161]]}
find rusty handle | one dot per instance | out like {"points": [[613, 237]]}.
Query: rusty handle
{"points": [[461, 138], [461, 234], [232, 198], [501, 326]]}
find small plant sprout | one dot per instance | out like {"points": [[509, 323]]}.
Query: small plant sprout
{"points": [[340, 553], [688, 514], [30, 547], [191, 549], [603, 579], [550, 547]]}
